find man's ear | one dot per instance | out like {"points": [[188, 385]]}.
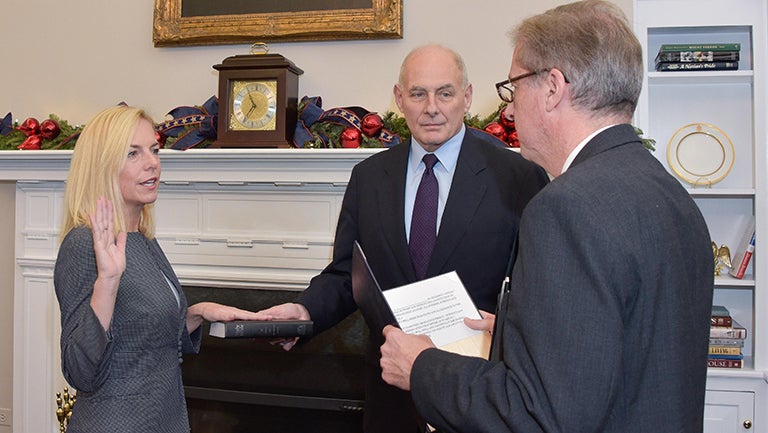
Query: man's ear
{"points": [[398, 96], [467, 98], [556, 88]]}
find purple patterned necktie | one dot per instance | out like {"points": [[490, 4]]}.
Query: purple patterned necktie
{"points": [[424, 219]]}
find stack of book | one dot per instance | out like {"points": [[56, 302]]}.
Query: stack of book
{"points": [[698, 57], [726, 340]]}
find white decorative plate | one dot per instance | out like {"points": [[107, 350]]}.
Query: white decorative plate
{"points": [[700, 154]]}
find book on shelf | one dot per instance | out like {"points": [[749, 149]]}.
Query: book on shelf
{"points": [[261, 328], [734, 331], [724, 350], [733, 46], [725, 363], [696, 56], [730, 342], [720, 316], [744, 250], [697, 66], [732, 357]]}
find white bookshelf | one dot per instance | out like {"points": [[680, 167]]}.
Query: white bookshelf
{"points": [[735, 102]]}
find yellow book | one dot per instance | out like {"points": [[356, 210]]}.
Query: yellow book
{"points": [[724, 350]]}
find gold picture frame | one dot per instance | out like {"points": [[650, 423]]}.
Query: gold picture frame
{"points": [[383, 20]]}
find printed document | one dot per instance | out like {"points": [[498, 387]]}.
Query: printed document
{"points": [[437, 307]]}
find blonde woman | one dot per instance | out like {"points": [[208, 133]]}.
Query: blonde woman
{"points": [[125, 320]]}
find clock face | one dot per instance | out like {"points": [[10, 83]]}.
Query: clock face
{"points": [[253, 105]]}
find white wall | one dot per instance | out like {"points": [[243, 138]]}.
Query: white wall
{"points": [[74, 58]]}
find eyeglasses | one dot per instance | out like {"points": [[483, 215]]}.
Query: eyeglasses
{"points": [[506, 89]]}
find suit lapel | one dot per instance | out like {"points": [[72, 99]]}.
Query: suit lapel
{"points": [[391, 206], [466, 194]]}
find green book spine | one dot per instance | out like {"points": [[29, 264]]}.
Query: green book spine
{"points": [[700, 47], [720, 310], [697, 56]]}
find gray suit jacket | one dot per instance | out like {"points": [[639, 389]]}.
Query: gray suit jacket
{"points": [[129, 379], [608, 315], [490, 188]]}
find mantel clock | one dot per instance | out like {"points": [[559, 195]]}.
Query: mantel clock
{"points": [[258, 98]]}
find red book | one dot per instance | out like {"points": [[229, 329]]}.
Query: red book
{"points": [[724, 363], [744, 251], [720, 316]]}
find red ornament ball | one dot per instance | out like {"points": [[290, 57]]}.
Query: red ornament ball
{"points": [[512, 139], [350, 138], [372, 125], [160, 138], [31, 143], [495, 129], [30, 127], [50, 129], [506, 121]]}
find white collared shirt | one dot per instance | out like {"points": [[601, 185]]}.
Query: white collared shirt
{"points": [[447, 154]]}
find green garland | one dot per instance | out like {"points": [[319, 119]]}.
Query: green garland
{"points": [[393, 122], [648, 143], [396, 124], [65, 139], [333, 132]]}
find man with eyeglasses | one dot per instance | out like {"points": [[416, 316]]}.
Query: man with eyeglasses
{"points": [[479, 191], [607, 319]]}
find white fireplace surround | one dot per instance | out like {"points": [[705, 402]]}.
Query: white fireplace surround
{"points": [[243, 218]]}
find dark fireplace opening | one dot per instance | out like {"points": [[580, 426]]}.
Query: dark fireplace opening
{"points": [[251, 385]]}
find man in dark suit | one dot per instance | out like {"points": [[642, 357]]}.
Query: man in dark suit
{"points": [[607, 320], [483, 189]]}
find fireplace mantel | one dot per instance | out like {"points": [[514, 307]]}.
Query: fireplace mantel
{"points": [[206, 165], [240, 218]]}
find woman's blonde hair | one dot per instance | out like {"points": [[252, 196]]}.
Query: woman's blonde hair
{"points": [[99, 156]]}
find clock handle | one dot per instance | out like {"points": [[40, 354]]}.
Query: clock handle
{"points": [[259, 48]]}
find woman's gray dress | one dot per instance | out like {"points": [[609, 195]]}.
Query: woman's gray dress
{"points": [[129, 378]]}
